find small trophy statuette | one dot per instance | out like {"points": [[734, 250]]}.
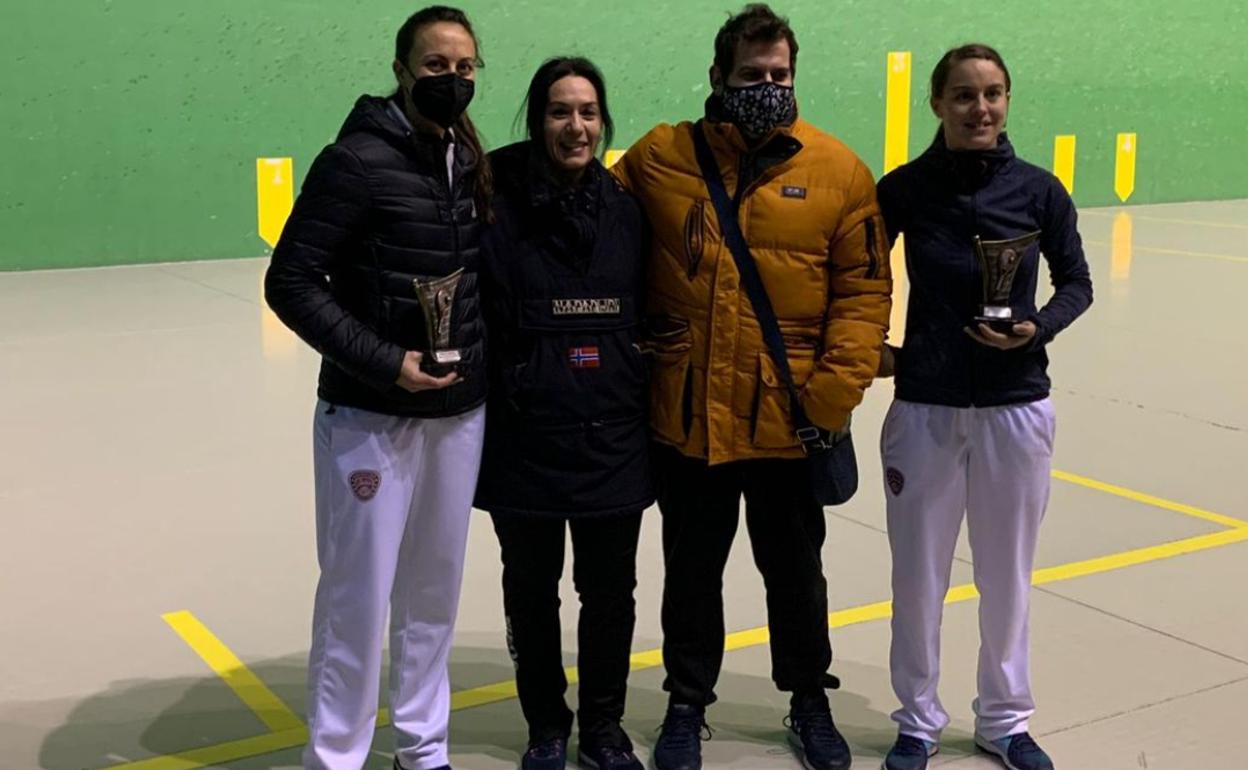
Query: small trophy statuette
{"points": [[437, 300]]}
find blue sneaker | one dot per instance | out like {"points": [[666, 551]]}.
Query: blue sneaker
{"points": [[909, 753], [547, 755], [679, 746], [1016, 752], [818, 743]]}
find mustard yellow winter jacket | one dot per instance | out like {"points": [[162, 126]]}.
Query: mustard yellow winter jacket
{"points": [[814, 228]]}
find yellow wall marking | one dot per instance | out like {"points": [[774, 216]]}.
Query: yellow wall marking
{"points": [[296, 736], [612, 157], [1064, 161], [1120, 248], [275, 196], [1124, 167], [897, 111], [901, 292], [275, 714]]}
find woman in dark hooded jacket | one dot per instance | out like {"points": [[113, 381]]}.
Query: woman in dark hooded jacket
{"points": [[566, 442], [970, 433]]}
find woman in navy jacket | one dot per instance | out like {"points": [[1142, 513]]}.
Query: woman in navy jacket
{"points": [[566, 440], [971, 429]]}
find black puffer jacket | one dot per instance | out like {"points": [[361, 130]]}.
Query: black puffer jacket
{"points": [[561, 282], [941, 201], [377, 211]]}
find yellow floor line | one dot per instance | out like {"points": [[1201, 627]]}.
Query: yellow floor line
{"points": [[275, 714], [1138, 556], [1147, 499], [222, 752], [503, 691], [1177, 252], [1146, 218], [289, 732]]}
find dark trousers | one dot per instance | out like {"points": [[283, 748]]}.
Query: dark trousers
{"points": [[701, 508], [604, 573]]}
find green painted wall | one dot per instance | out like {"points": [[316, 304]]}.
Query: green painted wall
{"points": [[131, 127]]}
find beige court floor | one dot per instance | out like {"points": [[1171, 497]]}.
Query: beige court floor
{"points": [[156, 523]]}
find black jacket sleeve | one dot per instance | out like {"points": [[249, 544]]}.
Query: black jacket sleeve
{"points": [[888, 192], [320, 233], [1068, 268]]}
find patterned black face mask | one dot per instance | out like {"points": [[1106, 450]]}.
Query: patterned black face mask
{"points": [[759, 108]]}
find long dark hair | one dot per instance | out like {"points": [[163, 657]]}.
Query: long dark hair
{"points": [[551, 72], [465, 130]]}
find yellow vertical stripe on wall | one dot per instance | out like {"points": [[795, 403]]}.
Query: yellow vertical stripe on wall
{"points": [[275, 196], [897, 111], [1064, 161], [1124, 167]]}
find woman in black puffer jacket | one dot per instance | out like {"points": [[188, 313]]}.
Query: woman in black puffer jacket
{"points": [[566, 445], [388, 212]]}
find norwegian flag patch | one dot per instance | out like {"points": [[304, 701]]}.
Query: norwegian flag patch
{"points": [[584, 357]]}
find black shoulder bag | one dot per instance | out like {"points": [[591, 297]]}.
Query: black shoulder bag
{"points": [[833, 466]]}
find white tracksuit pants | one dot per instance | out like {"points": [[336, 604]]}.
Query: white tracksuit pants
{"points": [[993, 464], [393, 496]]}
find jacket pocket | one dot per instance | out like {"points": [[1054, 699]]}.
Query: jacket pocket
{"points": [[772, 423], [671, 387], [695, 237]]}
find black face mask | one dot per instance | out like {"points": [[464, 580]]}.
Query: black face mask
{"points": [[441, 98], [760, 108]]}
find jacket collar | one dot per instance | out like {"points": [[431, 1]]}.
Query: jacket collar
{"points": [[970, 168], [545, 188], [781, 142]]}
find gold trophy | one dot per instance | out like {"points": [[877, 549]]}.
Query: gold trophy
{"points": [[437, 299], [998, 263]]}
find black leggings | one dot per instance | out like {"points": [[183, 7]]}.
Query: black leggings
{"points": [[604, 573]]}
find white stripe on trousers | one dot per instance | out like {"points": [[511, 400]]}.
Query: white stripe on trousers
{"points": [[993, 465], [401, 549]]}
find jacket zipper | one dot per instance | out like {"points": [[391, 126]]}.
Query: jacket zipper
{"points": [[454, 216], [974, 380], [873, 263]]}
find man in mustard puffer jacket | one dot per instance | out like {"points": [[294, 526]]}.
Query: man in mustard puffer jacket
{"points": [[719, 410]]}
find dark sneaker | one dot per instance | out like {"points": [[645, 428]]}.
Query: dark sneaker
{"points": [[818, 743], [547, 755], [397, 766], [679, 746], [594, 757], [909, 753], [1016, 752]]}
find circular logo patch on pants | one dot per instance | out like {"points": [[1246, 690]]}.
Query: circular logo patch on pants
{"points": [[364, 484], [896, 480]]}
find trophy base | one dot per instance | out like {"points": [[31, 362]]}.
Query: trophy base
{"points": [[999, 319], [440, 363]]}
